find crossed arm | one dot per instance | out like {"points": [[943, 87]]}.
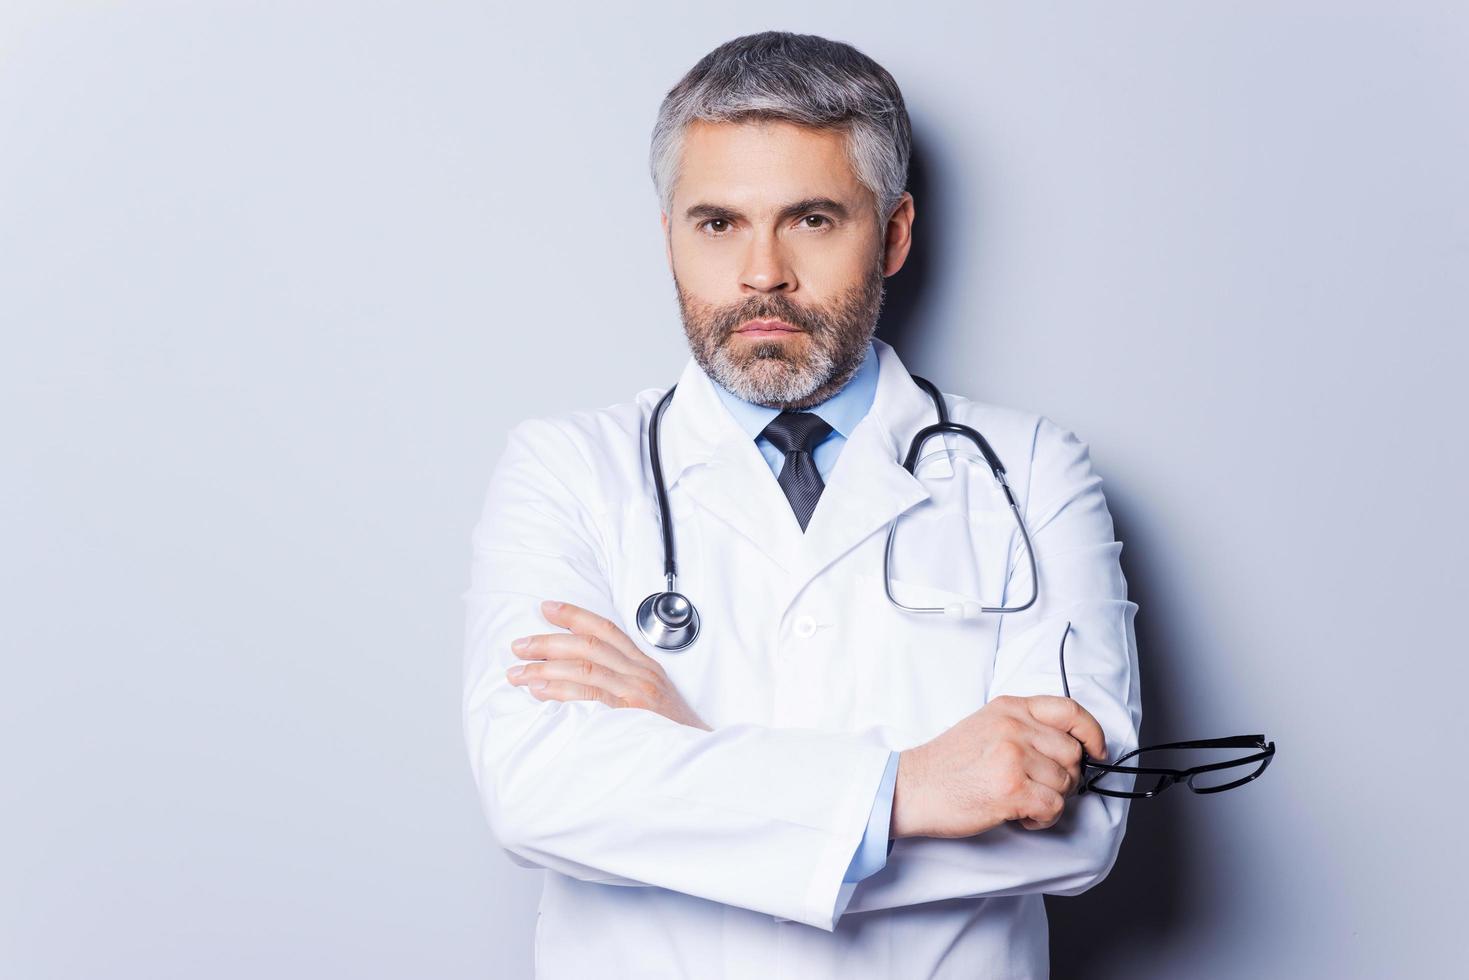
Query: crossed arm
{"points": [[604, 773]]}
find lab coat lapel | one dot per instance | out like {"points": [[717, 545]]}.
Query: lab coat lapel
{"points": [[709, 457], [868, 487]]}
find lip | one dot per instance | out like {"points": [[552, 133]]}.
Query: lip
{"points": [[766, 328]]}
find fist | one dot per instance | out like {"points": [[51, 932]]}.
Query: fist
{"points": [[1017, 758]]}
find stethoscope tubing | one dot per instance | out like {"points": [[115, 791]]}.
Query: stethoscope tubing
{"points": [[665, 521], [678, 635], [964, 610]]}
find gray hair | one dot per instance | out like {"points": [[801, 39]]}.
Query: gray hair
{"points": [[801, 78]]}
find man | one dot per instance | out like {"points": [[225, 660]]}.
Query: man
{"points": [[822, 784]]}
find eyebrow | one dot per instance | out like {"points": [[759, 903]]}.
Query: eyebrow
{"points": [[710, 211]]}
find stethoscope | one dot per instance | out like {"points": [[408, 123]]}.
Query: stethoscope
{"points": [[669, 621]]}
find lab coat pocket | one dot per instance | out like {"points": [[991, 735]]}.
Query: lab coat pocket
{"points": [[918, 673], [956, 549]]}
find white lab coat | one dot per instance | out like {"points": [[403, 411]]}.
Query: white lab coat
{"points": [[675, 852]]}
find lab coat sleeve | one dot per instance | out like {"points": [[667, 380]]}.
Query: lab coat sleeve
{"points": [[752, 816], [1081, 582], [875, 846]]}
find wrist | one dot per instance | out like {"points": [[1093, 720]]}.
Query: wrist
{"points": [[908, 794]]}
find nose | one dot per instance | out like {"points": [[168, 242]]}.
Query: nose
{"points": [[766, 267]]}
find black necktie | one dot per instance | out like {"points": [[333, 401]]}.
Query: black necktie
{"points": [[796, 434]]}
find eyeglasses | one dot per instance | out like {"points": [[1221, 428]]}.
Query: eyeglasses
{"points": [[1204, 778]]}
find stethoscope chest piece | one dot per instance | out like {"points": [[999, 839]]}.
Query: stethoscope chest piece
{"points": [[668, 620]]}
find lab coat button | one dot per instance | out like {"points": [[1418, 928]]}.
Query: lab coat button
{"points": [[804, 627]]}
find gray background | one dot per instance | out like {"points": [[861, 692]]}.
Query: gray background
{"points": [[275, 279]]}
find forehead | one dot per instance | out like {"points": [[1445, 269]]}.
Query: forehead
{"points": [[761, 164]]}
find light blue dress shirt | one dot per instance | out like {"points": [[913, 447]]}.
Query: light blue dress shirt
{"points": [[842, 412]]}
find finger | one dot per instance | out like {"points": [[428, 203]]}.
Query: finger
{"points": [[584, 621], [571, 691], [1061, 747], [588, 659], [573, 646], [1067, 715], [1047, 807], [1041, 768], [620, 688]]}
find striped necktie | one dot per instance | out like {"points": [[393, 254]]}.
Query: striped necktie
{"points": [[796, 434]]}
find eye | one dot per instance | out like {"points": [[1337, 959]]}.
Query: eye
{"points": [[818, 217], [714, 221]]}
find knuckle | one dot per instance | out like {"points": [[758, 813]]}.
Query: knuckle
{"points": [[1010, 779], [1011, 726], [1048, 804], [1009, 754]]}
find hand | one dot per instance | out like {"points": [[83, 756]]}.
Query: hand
{"points": [[596, 661], [1017, 758]]}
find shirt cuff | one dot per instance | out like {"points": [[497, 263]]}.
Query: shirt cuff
{"points": [[873, 849]]}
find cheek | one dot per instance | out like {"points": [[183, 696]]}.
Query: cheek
{"points": [[704, 267], [835, 269]]}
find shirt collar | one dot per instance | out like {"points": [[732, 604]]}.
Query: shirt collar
{"points": [[841, 411]]}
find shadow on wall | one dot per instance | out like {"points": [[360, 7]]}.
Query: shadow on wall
{"points": [[1095, 934], [1155, 888]]}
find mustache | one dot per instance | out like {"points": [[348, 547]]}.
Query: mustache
{"points": [[716, 325], [727, 322]]}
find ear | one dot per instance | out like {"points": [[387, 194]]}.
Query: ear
{"points": [[667, 239], [898, 235]]}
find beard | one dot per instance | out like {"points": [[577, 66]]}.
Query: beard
{"points": [[787, 373]]}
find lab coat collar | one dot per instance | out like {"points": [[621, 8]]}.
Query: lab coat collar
{"points": [[709, 454]]}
